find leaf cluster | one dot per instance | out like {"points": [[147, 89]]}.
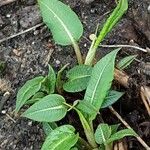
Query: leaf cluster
{"points": [[43, 94]]}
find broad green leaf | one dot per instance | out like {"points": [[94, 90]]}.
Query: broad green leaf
{"points": [[27, 91], [102, 133], [50, 81], [49, 109], [125, 62], [114, 128], [112, 97], [100, 81], [112, 20], [86, 108], [61, 138], [49, 127], [36, 97], [62, 21], [120, 134], [78, 78]]}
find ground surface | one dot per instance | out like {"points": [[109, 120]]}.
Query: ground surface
{"points": [[27, 56]]}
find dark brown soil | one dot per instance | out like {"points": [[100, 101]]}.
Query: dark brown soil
{"points": [[26, 56]]}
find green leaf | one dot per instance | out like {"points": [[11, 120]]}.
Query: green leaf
{"points": [[78, 78], [120, 134], [86, 108], [74, 148], [59, 81], [62, 138], [87, 128], [48, 127], [112, 20], [108, 26], [50, 81], [49, 109], [27, 91], [112, 97], [125, 62], [114, 128], [36, 97], [100, 81], [102, 133], [62, 21]]}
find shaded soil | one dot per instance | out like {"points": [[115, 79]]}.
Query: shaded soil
{"points": [[27, 56]]}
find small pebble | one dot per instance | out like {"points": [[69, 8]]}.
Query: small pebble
{"points": [[33, 43], [30, 123], [17, 52], [57, 62], [36, 32], [148, 8], [85, 45], [8, 15], [3, 111], [93, 10]]}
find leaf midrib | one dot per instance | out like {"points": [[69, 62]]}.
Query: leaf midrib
{"points": [[79, 77], [63, 24], [47, 109], [67, 137], [99, 79], [103, 137], [22, 99]]}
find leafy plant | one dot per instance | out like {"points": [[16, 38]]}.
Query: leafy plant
{"points": [[125, 62], [42, 94], [63, 23], [105, 135], [78, 78]]}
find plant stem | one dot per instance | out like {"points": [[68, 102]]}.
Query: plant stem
{"points": [[92, 51], [108, 147], [78, 53], [87, 129], [82, 143], [90, 56]]}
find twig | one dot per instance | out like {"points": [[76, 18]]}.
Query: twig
{"points": [[145, 96], [20, 33], [122, 78], [5, 2], [127, 46], [48, 56], [121, 45], [10, 118], [128, 126]]}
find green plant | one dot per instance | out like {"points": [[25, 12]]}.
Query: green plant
{"points": [[125, 62], [42, 94]]}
